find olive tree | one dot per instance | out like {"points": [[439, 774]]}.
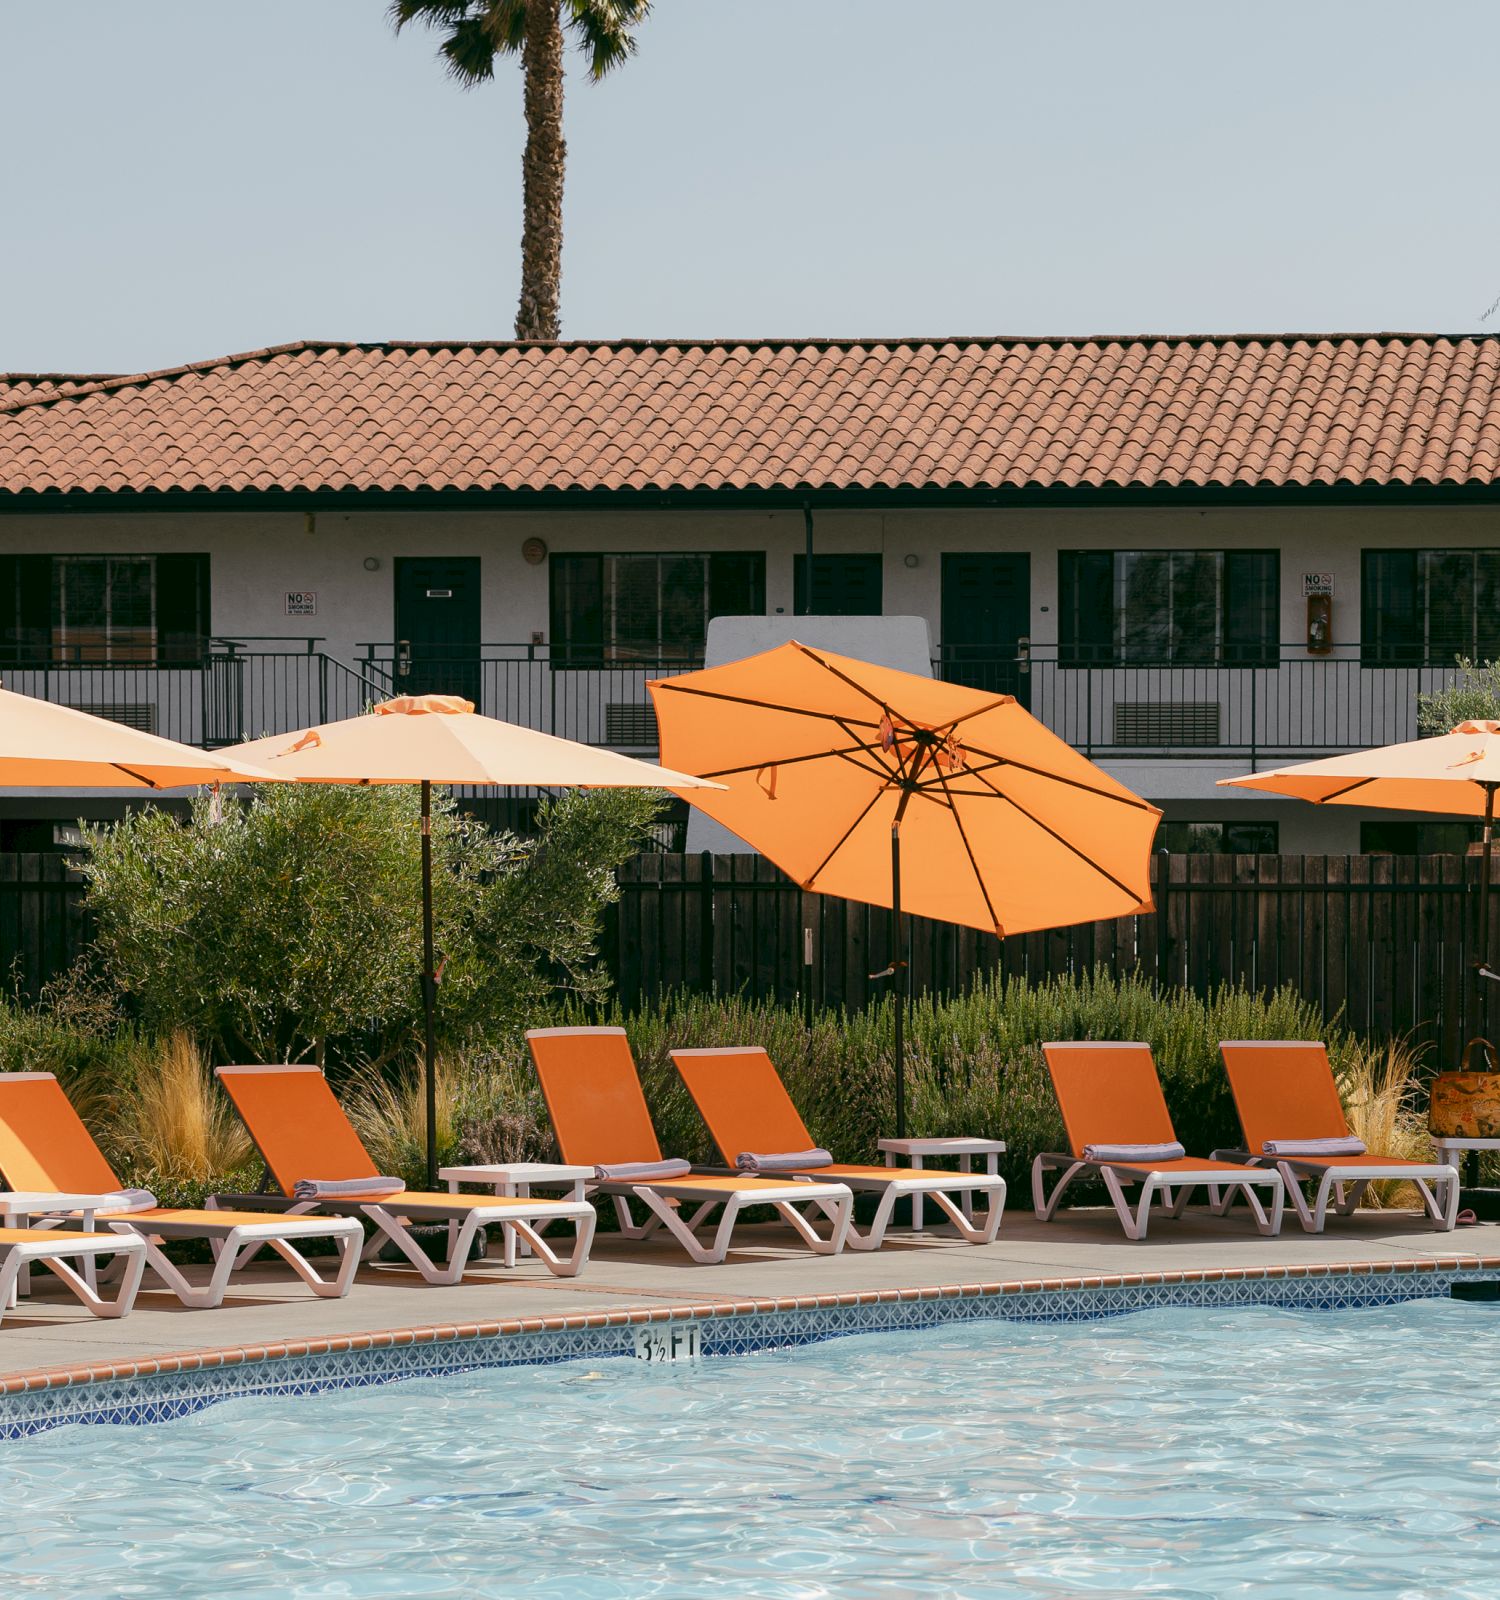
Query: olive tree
{"points": [[289, 924]]}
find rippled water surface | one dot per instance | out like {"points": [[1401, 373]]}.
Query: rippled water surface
{"points": [[1181, 1453]]}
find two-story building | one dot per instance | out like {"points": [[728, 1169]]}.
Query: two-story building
{"points": [[1189, 556]]}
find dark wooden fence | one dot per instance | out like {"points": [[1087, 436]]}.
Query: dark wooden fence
{"points": [[43, 927], [1386, 940]]}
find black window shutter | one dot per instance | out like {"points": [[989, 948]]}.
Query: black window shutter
{"points": [[842, 586], [25, 609], [737, 584], [1390, 626], [1086, 610], [1252, 580], [182, 620], [577, 609]]}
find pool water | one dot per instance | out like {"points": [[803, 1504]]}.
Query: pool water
{"points": [[1181, 1453]]}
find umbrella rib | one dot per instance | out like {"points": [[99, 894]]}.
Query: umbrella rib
{"points": [[1103, 872], [1056, 777], [1337, 794], [958, 822], [782, 761], [761, 705], [130, 772], [808, 881], [844, 677]]}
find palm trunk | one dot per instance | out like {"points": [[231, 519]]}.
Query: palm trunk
{"points": [[542, 173]]}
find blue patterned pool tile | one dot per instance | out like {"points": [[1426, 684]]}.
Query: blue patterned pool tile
{"points": [[163, 1396]]}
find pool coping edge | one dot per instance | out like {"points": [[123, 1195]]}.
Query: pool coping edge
{"points": [[217, 1357]]}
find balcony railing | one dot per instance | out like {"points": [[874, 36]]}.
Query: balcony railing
{"points": [[235, 689], [1289, 704], [1292, 705]]}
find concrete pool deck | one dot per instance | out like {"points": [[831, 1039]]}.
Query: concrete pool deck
{"points": [[48, 1341]]}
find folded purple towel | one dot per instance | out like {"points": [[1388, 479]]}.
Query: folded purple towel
{"points": [[346, 1188], [783, 1161], [630, 1171], [1345, 1145], [1136, 1154]]}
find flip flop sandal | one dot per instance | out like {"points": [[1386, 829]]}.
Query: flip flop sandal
{"points": [[1465, 1219]]}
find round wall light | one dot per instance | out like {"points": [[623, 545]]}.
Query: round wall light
{"points": [[535, 551], [372, 563], [911, 561]]}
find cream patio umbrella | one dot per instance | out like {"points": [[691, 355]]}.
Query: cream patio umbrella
{"points": [[1455, 774], [427, 739], [48, 746]]}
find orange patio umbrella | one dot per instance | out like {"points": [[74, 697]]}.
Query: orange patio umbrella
{"points": [[48, 746], [427, 739], [836, 768], [1455, 774]]}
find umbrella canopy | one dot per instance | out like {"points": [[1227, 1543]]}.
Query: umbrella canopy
{"points": [[1455, 774], [1004, 827], [47, 746], [1452, 774], [835, 767], [436, 738], [439, 738]]}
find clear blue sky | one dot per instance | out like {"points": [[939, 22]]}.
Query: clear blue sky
{"points": [[186, 178]]}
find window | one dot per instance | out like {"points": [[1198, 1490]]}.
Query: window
{"points": [[842, 586], [97, 609], [1417, 838], [1218, 838], [610, 608], [1168, 607], [1425, 607]]}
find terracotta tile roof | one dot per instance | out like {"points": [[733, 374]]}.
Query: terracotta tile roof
{"points": [[31, 385], [975, 413]]}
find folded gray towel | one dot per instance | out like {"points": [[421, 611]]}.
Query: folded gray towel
{"points": [[1344, 1145], [629, 1171], [128, 1200], [345, 1188], [783, 1161], [1136, 1154]]}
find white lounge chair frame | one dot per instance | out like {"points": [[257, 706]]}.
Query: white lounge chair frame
{"points": [[394, 1223], [1222, 1188], [52, 1248], [934, 1185], [1340, 1189], [833, 1199]]}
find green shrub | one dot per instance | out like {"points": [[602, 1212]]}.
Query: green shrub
{"points": [[289, 925], [1472, 694]]}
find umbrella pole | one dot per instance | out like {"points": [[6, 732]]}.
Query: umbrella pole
{"points": [[429, 986], [898, 961]]}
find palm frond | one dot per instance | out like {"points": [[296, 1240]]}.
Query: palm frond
{"points": [[602, 30], [476, 31]]}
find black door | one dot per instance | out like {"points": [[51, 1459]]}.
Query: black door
{"points": [[437, 626], [987, 622]]}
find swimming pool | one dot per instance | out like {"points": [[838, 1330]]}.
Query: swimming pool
{"points": [[1177, 1452]]}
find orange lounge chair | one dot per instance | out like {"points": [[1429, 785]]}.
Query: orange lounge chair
{"points": [[302, 1133], [1285, 1093], [599, 1114], [741, 1097], [45, 1148], [1111, 1097]]}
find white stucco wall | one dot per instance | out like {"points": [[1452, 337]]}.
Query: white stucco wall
{"points": [[259, 555]]}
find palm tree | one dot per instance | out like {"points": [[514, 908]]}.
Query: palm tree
{"points": [[475, 32]]}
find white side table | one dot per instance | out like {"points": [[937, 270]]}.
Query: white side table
{"points": [[916, 1152], [1448, 1149], [18, 1207], [514, 1180]]}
